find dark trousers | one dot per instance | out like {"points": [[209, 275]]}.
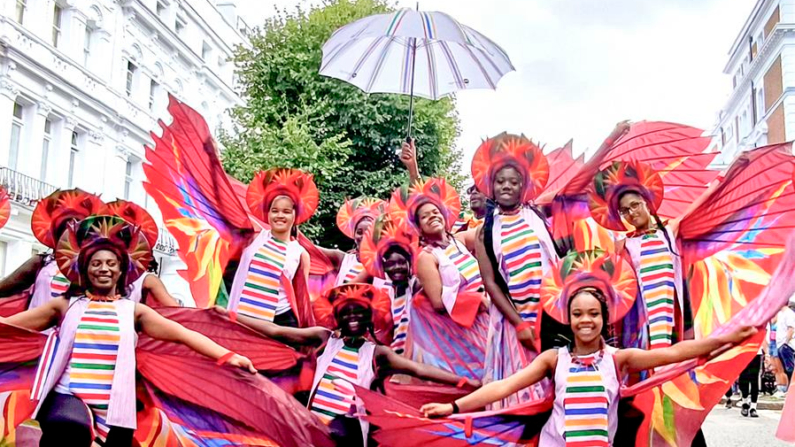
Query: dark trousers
{"points": [[65, 417], [749, 379], [787, 357]]}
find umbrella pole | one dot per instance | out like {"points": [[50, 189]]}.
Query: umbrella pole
{"points": [[411, 93]]}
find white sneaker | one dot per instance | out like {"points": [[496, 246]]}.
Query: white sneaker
{"points": [[779, 395]]}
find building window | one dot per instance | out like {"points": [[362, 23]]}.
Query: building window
{"points": [[760, 104], [161, 9], [87, 46], [16, 136], [128, 179], [74, 152], [180, 25], [20, 11], [206, 51], [56, 24], [45, 150], [131, 69], [154, 88]]}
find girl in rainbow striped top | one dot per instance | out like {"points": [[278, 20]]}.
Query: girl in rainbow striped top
{"points": [[587, 375]]}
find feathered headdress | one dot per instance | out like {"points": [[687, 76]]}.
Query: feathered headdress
{"points": [[297, 185], [386, 232], [516, 151], [406, 201], [367, 295], [616, 179], [354, 210], [60, 206], [609, 273], [82, 239], [137, 216]]}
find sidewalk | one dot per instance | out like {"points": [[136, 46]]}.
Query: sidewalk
{"points": [[765, 402]]}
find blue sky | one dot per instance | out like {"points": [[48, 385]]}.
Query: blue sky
{"points": [[584, 65]]}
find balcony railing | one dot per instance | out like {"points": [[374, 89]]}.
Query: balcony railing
{"points": [[165, 242], [24, 189]]}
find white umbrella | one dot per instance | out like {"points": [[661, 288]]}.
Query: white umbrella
{"points": [[427, 54]]}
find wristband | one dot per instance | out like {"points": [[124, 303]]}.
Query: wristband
{"points": [[522, 326], [461, 382], [225, 358], [455, 407]]}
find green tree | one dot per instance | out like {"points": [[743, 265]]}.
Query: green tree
{"points": [[294, 117]]}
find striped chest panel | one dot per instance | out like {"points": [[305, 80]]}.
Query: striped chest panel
{"points": [[400, 317], [58, 285], [657, 279], [467, 266], [334, 397], [353, 272], [260, 296], [93, 360], [585, 406], [521, 251]]}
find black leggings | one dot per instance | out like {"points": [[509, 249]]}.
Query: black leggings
{"points": [[65, 417], [749, 378]]}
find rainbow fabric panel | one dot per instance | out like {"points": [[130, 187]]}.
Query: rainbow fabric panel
{"points": [[521, 252], [58, 285], [353, 272], [467, 266], [93, 360], [657, 280], [400, 316], [334, 397], [585, 405], [260, 296]]}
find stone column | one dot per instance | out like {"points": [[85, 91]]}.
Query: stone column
{"points": [[33, 154]]}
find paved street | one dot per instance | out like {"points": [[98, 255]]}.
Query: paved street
{"points": [[726, 428]]}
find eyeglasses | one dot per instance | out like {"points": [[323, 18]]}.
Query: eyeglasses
{"points": [[634, 206]]}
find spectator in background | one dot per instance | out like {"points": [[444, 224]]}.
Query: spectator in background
{"points": [[775, 363], [784, 338]]}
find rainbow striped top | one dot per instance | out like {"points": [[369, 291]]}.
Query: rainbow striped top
{"points": [[521, 250], [585, 405], [93, 362], [467, 266], [657, 279], [59, 285], [400, 318], [353, 272], [334, 397], [263, 296]]}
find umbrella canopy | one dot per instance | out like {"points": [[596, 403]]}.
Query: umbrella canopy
{"points": [[427, 54]]}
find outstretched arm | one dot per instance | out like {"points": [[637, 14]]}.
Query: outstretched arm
{"points": [[311, 336], [541, 367], [431, 280], [40, 318], [397, 364], [161, 328], [22, 278], [633, 360], [155, 289], [408, 155]]}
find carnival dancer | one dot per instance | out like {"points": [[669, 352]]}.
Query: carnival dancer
{"points": [[388, 251], [93, 365], [592, 290], [448, 324], [351, 356]]}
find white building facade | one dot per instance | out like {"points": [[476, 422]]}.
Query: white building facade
{"points": [[761, 107], [83, 82]]}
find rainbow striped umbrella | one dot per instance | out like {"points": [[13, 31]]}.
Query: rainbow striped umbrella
{"points": [[427, 54]]}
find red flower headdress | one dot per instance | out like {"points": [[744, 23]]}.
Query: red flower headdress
{"points": [[353, 211], [82, 239], [367, 295], [52, 211], [406, 201], [620, 177], [5, 207], [297, 185], [609, 273], [515, 151], [137, 216], [386, 232]]}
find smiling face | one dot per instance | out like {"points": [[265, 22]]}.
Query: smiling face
{"points": [[586, 317], [633, 208], [397, 266], [354, 319], [281, 214], [508, 187], [431, 220], [362, 226], [104, 271]]}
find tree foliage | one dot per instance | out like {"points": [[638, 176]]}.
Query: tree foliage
{"points": [[294, 117]]}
